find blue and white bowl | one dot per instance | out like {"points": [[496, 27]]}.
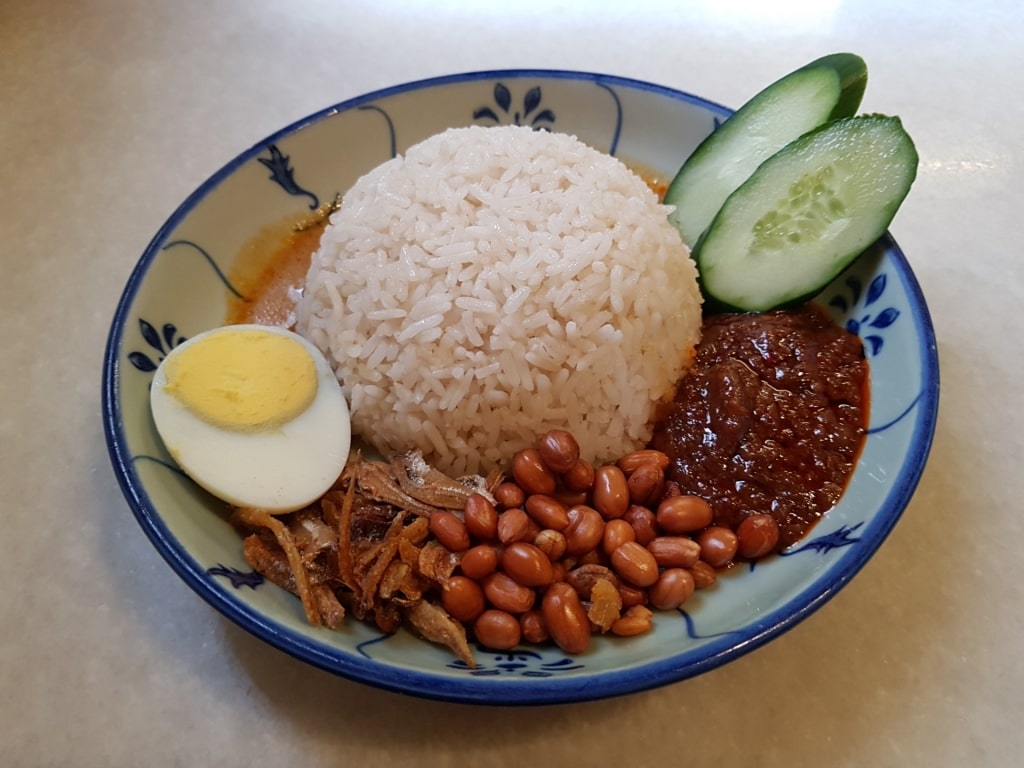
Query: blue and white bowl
{"points": [[180, 288]]}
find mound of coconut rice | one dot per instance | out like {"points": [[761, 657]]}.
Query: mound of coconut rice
{"points": [[495, 283]]}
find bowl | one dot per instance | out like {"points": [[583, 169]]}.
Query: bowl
{"points": [[181, 286]]}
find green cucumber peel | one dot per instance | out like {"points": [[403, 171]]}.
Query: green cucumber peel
{"points": [[805, 214], [823, 90]]}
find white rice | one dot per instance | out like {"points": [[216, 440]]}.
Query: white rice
{"points": [[495, 283]]}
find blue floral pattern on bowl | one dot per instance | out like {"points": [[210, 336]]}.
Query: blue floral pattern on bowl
{"points": [[870, 323], [180, 288], [282, 173], [161, 343], [530, 114]]}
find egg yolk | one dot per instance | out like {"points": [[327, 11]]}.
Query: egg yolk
{"points": [[246, 380]]}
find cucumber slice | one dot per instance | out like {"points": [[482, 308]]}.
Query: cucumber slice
{"points": [[826, 89], [806, 213]]}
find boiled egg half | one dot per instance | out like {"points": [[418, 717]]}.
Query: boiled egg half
{"points": [[254, 415]]}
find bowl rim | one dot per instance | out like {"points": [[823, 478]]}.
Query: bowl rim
{"points": [[601, 684]]}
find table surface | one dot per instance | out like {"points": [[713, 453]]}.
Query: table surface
{"points": [[112, 112]]}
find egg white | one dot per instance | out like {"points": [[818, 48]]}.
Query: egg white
{"points": [[280, 469]]}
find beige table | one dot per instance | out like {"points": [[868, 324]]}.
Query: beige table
{"points": [[112, 112]]}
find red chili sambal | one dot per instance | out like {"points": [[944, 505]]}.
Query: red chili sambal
{"points": [[771, 418]]}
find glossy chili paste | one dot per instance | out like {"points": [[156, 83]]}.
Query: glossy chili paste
{"points": [[771, 418]]}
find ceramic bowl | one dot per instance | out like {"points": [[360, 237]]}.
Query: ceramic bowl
{"points": [[181, 286]]}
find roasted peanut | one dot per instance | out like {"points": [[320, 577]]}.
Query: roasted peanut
{"points": [[645, 524], [481, 518], [636, 459], [505, 593], [646, 484], [509, 495], [526, 564], [634, 563], [631, 595], [566, 618], [515, 525], [583, 577], [497, 629], [703, 575], [672, 489], [674, 551], [718, 545], [637, 620], [684, 514], [673, 588], [611, 492], [462, 598], [571, 498], [547, 512], [758, 536], [580, 477], [558, 450], [616, 533], [530, 473], [450, 531], [585, 529], [593, 557], [551, 543], [479, 561], [533, 627]]}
